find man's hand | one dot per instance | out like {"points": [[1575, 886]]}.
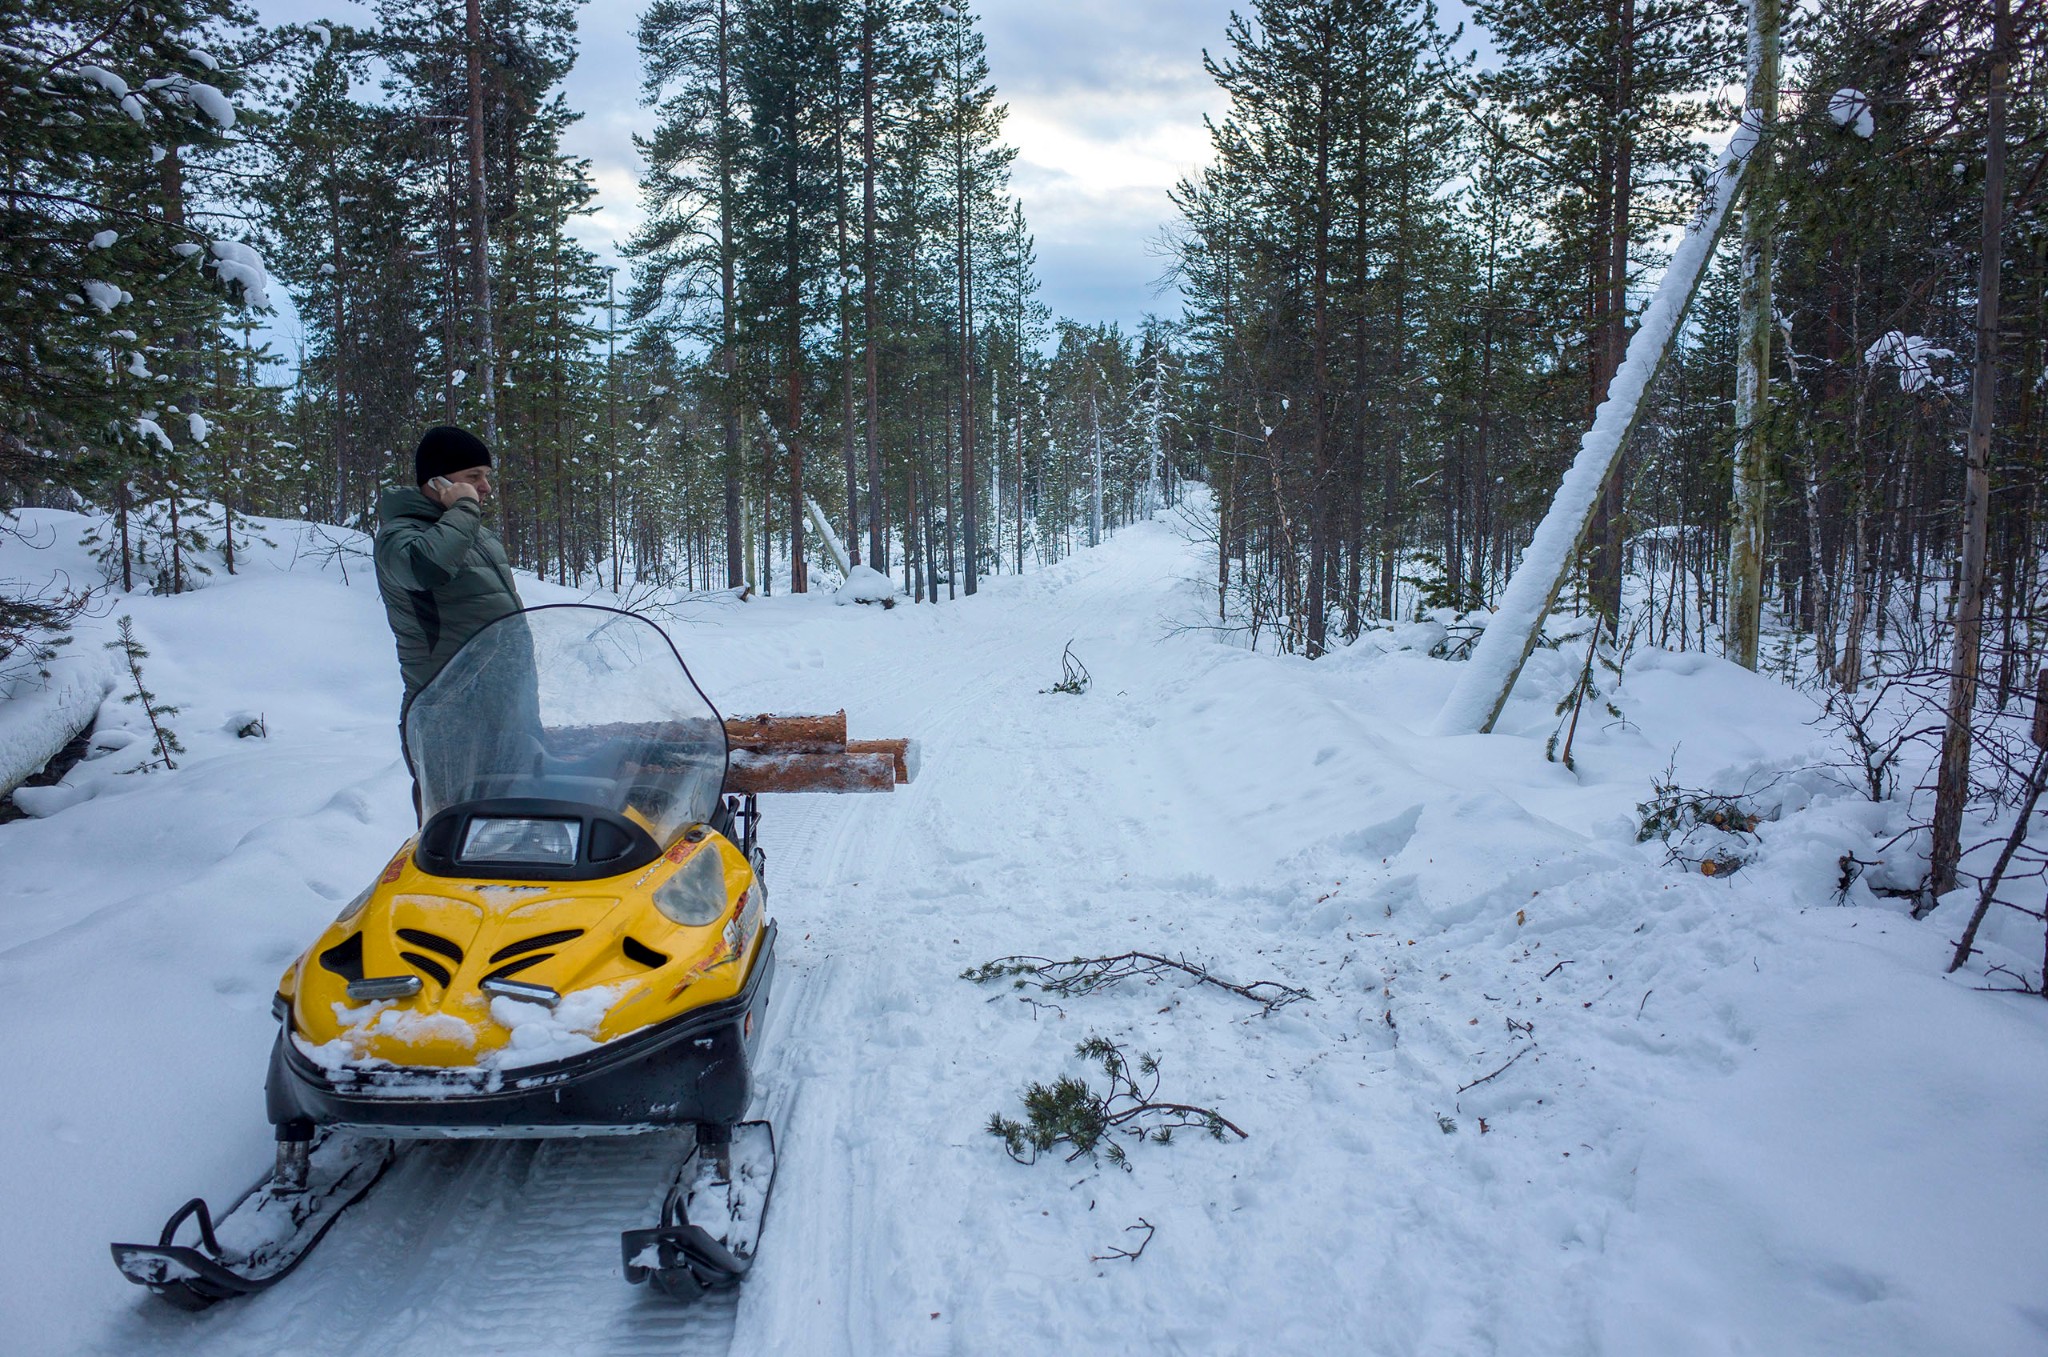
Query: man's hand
{"points": [[446, 492]]}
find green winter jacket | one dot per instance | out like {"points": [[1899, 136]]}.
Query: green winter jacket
{"points": [[443, 576]]}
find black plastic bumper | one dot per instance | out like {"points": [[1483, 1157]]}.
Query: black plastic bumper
{"points": [[695, 1068]]}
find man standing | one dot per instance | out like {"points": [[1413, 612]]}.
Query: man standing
{"points": [[442, 573]]}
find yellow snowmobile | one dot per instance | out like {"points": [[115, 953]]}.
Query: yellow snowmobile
{"points": [[575, 944]]}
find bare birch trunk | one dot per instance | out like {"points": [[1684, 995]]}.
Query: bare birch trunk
{"points": [[1753, 355]]}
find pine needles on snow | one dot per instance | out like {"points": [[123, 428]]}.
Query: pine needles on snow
{"points": [[1710, 831], [1069, 1111]]}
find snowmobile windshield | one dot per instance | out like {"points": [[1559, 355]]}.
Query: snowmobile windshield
{"points": [[575, 704]]}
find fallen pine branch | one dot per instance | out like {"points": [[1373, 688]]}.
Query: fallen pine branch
{"points": [[1085, 975], [1067, 1111]]}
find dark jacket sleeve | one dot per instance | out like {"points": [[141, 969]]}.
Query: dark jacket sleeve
{"points": [[421, 556]]}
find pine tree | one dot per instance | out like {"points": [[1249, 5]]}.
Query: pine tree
{"points": [[114, 117], [156, 712], [1602, 99], [687, 251]]}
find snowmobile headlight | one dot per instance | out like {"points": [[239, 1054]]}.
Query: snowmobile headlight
{"points": [[521, 840], [695, 895]]}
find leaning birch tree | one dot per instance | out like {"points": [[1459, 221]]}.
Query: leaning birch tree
{"points": [[1489, 676]]}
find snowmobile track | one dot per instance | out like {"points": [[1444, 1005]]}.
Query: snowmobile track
{"points": [[482, 1248]]}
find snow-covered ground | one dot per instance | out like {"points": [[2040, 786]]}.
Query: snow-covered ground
{"points": [[1744, 1115]]}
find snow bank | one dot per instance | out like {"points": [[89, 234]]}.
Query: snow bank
{"points": [[40, 717], [865, 584]]}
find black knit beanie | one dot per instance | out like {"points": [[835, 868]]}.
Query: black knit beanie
{"points": [[445, 448]]}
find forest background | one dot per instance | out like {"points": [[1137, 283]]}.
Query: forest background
{"points": [[1403, 280]]}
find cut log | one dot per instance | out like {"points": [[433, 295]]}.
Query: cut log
{"points": [[902, 751], [788, 734], [810, 753], [777, 771]]}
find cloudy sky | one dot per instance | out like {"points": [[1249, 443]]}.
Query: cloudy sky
{"points": [[1106, 100]]}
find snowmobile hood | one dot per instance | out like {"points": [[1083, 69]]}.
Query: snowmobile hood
{"points": [[433, 972]]}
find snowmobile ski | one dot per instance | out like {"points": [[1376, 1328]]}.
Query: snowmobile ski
{"points": [[266, 1234], [712, 1217]]}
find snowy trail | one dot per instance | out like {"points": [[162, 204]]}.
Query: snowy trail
{"points": [[1714, 1133], [474, 1248]]}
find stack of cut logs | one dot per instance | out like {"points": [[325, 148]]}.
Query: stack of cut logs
{"points": [[812, 754]]}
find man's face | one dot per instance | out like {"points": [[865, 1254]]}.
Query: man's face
{"points": [[478, 477]]}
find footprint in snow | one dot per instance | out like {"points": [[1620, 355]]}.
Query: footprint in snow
{"points": [[351, 803]]}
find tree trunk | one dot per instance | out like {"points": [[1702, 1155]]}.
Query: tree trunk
{"points": [[1952, 785], [845, 343], [1610, 301], [738, 558], [1486, 680], [479, 229], [878, 555], [1319, 395], [1753, 354], [1095, 467], [963, 237]]}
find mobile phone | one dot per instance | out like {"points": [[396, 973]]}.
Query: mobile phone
{"points": [[440, 485]]}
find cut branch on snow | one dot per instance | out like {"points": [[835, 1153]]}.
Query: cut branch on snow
{"points": [[1086, 975]]}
